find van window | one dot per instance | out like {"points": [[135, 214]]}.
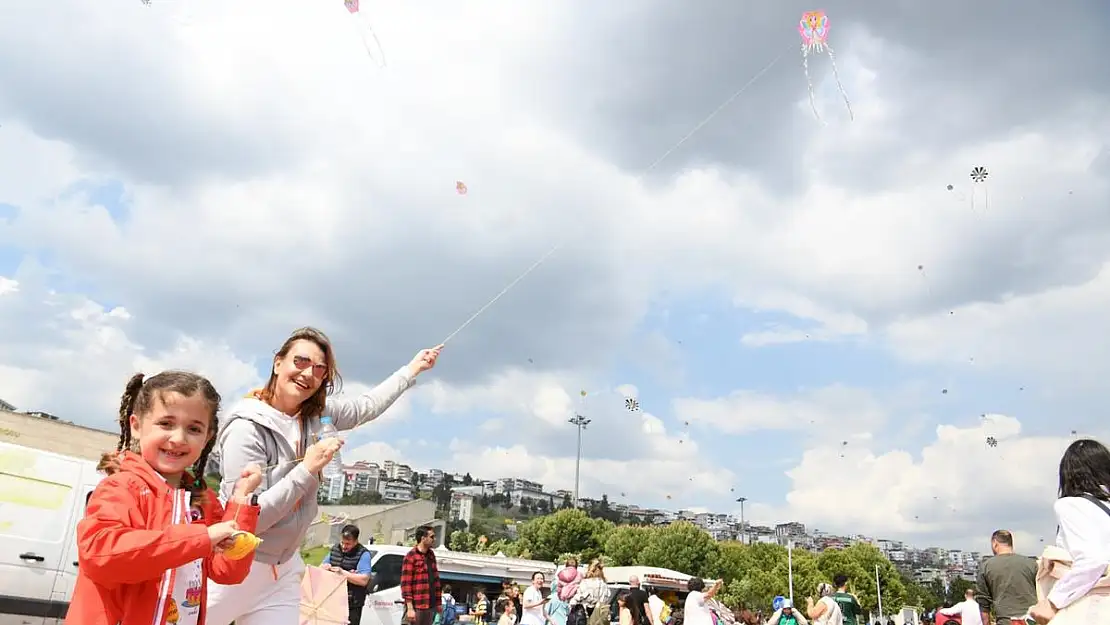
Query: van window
{"points": [[387, 572]]}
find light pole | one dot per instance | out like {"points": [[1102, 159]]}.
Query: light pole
{"points": [[743, 526], [580, 422]]}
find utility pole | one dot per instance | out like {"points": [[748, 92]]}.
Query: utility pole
{"points": [[743, 525], [580, 422]]}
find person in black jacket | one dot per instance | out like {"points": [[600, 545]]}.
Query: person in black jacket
{"points": [[349, 558]]}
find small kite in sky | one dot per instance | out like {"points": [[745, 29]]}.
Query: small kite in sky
{"points": [[631, 404], [992, 441], [460, 187], [366, 33], [814, 29], [979, 178]]}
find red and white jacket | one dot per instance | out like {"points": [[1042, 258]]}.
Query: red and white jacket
{"points": [[135, 534]]}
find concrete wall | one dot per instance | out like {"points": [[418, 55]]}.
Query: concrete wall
{"points": [[55, 436], [384, 523]]}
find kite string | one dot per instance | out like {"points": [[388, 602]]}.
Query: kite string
{"points": [[647, 170], [840, 87]]}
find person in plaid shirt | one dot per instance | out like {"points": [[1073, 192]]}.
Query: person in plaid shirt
{"points": [[420, 586]]}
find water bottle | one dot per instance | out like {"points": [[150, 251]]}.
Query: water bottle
{"points": [[334, 468]]}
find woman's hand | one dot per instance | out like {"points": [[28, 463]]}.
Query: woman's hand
{"points": [[249, 481], [425, 359], [320, 454]]}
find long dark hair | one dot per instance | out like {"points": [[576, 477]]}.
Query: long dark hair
{"points": [[635, 602], [1085, 470]]}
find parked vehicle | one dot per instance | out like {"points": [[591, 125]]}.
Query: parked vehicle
{"points": [[42, 497], [466, 572]]}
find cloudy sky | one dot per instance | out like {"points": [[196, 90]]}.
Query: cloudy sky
{"points": [[809, 316]]}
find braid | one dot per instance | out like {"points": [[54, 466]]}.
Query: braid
{"points": [[126, 408], [200, 486]]}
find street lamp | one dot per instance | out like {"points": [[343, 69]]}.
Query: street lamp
{"points": [[743, 526], [580, 422]]}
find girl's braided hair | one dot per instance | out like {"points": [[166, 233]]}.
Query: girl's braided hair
{"points": [[138, 399]]}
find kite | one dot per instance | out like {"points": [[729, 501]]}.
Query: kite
{"points": [[631, 404], [992, 441], [814, 29], [352, 8], [979, 177], [460, 187]]}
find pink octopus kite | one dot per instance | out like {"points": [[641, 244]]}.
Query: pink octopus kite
{"points": [[814, 29]]}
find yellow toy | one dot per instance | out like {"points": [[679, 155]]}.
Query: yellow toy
{"points": [[242, 544]]}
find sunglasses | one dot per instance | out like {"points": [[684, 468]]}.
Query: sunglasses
{"points": [[304, 362]]}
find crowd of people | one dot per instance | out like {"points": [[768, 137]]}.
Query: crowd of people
{"points": [[157, 546]]}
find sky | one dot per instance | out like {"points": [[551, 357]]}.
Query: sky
{"points": [[808, 315]]}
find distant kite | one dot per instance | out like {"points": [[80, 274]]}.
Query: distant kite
{"points": [[366, 33], [460, 187], [814, 29]]}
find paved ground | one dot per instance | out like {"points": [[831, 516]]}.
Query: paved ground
{"points": [[11, 619]]}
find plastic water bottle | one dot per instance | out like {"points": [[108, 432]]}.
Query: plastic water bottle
{"points": [[334, 468]]}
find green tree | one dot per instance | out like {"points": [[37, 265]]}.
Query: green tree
{"points": [[858, 562], [567, 504], [467, 480], [462, 540], [681, 546], [566, 531], [625, 543]]}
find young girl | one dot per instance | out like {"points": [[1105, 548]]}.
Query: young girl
{"points": [[153, 532]]}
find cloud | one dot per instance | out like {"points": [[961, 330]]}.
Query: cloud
{"points": [[951, 492], [251, 172]]}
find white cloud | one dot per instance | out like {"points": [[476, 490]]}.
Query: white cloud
{"points": [[848, 410], [955, 491], [273, 177]]}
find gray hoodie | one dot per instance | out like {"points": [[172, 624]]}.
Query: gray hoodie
{"points": [[249, 432]]}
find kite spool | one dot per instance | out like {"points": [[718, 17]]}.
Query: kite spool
{"points": [[242, 545]]}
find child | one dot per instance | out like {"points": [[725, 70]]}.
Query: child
{"points": [[508, 611], [153, 532]]}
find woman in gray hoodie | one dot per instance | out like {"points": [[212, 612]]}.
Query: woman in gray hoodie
{"points": [[276, 427]]}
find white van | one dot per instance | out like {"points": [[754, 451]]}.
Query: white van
{"points": [[465, 572], [42, 497]]}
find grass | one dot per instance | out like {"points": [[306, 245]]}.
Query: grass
{"points": [[315, 555]]}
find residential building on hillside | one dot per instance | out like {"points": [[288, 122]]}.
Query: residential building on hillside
{"points": [[462, 507], [395, 471], [506, 485], [395, 490], [362, 477]]}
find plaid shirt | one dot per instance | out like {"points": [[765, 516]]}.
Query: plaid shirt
{"points": [[420, 580]]}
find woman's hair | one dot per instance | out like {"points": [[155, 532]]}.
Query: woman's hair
{"points": [[595, 570], [695, 584], [1085, 470], [571, 561], [636, 604], [333, 382], [138, 399], [824, 589]]}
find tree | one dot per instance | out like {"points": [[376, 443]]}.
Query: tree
{"points": [[624, 544], [681, 546], [462, 540], [467, 480], [567, 504], [566, 531], [858, 562]]}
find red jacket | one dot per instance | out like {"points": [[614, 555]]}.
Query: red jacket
{"points": [[133, 538]]}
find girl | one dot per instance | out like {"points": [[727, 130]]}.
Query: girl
{"points": [[508, 611], [590, 603], [632, 609], [274, 428], [151, 530], [826, 611], [1073, 581]]}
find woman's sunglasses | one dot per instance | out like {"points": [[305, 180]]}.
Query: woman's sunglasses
{"points": [[304, 362]]}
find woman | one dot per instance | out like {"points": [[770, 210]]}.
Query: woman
{"points": [[696, 610], [590, 603], [274, 427], [1072, 579], [826, 611], [633, 610]]}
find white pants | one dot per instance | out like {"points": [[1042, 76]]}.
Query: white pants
{"points": [[271, 595]]}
